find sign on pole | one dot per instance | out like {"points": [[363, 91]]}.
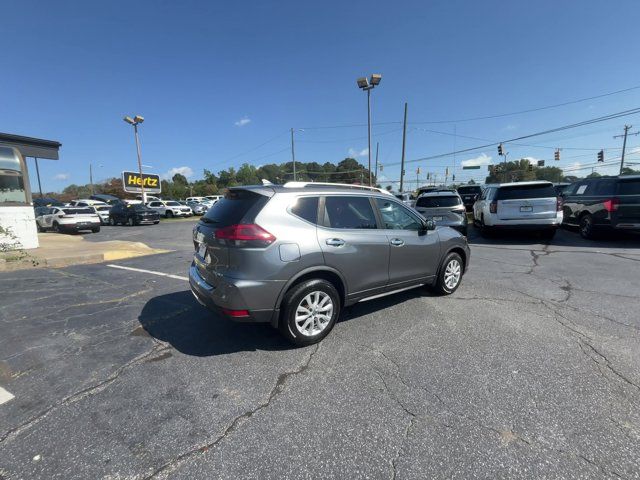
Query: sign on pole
{"points": [[471, 167], [131, 182]]}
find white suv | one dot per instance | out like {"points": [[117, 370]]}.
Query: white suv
{"points": [[520, 205], [101, 208], [170, 208], [67, 219]]}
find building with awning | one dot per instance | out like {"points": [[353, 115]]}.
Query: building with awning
{"points": [[17, 217]]}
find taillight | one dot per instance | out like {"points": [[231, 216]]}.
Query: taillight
{"points": [[235, 313], [246, 234], [558, 204], [611, 205], [493, 207]]}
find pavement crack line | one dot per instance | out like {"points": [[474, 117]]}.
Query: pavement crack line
{"points": [[85, 392], [601, 360], [277, 389]]}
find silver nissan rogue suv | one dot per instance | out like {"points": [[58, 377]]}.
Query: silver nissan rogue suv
{"points": [[294, 255]]}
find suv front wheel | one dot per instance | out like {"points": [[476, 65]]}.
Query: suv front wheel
{"points": [[450, 274], [310, 310]]}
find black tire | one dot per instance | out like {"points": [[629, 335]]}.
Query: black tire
{"points": [[156, 222], [95, 229], [131, 222], [484, 230], [168, 214], [442, 285], [293, 299], [55, 227], [586, 228], [39, 228], [112, 221], [548, 234]]}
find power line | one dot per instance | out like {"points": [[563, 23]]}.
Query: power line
{"points": [[252, 149], [537, 134]]}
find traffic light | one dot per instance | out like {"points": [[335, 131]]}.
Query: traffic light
{"points": [[601, 156], [453, 179], [541, 163], [530, 167], [418, 171], [556, 155], [446, 172], [500, 150], [380, 167]]}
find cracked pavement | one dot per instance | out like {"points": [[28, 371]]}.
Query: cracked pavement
{"points": [[531, 369]]}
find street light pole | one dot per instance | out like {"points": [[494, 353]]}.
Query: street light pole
{"points": [[91, 177], [368, 84], [135, 121], [376, 170], [293, 156], [135, 132], [38, 174]]}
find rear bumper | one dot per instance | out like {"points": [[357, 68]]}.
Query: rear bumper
{"points": [[257, 297], [533, 224], [526, 226], [74, 227]]}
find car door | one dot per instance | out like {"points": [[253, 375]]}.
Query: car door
{"points": [[414, 253], [352, 244]]}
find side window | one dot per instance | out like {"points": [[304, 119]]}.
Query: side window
{"points": [[605, 187], [583, 189], [571, 189], [306, 208], [154, 204], [349, 212], [397, 217]]}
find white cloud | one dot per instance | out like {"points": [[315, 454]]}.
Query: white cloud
{"points": [[186, 171], [353, 153], [61, 176], [511, 126], [531, 160], [482, 159], [242, 122]]}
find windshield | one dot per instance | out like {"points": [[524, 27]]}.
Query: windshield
{"points": [[435, 202], [469, 190], [78, 211], [172, 204], [514, 192]]}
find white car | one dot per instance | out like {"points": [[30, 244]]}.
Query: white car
{"points": [[195, 199], [67, 219], [213, 198], [170, 208], [101, 208], [519, 206]]}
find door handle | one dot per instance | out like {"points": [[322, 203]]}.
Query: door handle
{"points": [[335, 242], [396, 242]]}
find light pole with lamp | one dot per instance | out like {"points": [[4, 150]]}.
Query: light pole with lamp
{"points": [[367, 85], [135, 121]]}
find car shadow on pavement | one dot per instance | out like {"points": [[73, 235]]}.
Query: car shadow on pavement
{"points": [[178, 319], [366, 308]]}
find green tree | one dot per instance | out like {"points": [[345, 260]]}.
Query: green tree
{"points": [[517, 171], [180, 179], [594, 175], [227, 178], [552, 174], [629, 171], [247, 175]]}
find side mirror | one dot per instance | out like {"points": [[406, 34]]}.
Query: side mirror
{"points": [[429, 225]]}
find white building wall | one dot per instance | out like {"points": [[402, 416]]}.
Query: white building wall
{"points": [[20, 221]]}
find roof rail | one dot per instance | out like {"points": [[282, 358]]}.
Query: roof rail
{"points": [[339, 185]]}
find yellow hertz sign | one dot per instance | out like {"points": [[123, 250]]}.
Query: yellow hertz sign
{"points": [[131, 182]]}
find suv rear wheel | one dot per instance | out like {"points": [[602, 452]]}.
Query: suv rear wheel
{"points": [[450, 274], [310, 310], [586, 227]]}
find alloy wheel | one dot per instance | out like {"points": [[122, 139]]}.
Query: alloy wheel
{"points": [[452, 274], [314, 313]]}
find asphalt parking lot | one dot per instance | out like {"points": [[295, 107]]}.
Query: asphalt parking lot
{"points": [[531, 370]]}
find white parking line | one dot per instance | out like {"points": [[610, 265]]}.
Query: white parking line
{"points": [[151, 272], [4, 396]]}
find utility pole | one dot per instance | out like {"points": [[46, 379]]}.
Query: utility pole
{"points": [[293, 156], [38, 174], [91, 177], [404, 145], [624, 144], [377, 148]]}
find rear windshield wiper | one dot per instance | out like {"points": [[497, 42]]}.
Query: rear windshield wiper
{"points": [[208, 220]]}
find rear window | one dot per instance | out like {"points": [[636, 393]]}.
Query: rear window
{"points": [[435, 202], [469, 190], [526, 191], [77, 211], [172, 204], [233, 207], [629, 187], [306, 208]]}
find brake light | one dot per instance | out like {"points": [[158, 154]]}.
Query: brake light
{"points": [[611, 205], [493, 207], [235, 313], [558, 204], [245, 233]]}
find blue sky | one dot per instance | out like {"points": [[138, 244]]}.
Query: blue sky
{"points": [[216, 79]]}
